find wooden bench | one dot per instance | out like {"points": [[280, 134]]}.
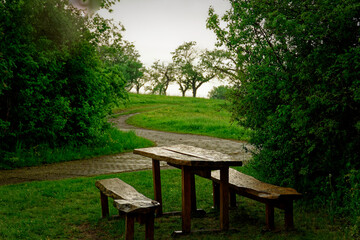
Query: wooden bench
{"points": [[271, 195], [130, 203]]}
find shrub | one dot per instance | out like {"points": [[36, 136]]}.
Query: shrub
{"points": [[54, 87], [220, 92], [300, 91]]}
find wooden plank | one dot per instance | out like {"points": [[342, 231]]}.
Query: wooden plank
{"points": [[224, 198], [161, 154], [186, 199], [269, 215], [127, 198], [200, 153], [149, 226], [193, 193], [289, 216], [183, 155], [104, 205], [129, 227], [252, 186], [216, 195], [157, 185]]}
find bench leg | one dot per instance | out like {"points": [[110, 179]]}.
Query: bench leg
{"points": [[232, 199], [104, 205], [129, 227], [149, 226], [270, 224], [216, 195], [289, 216]]}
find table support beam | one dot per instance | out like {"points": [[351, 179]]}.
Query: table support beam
{"points": [[193, 193], [186, 199], [224, 198], [157, 185]]}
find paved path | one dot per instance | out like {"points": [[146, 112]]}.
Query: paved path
{"points": [[123, 162]]}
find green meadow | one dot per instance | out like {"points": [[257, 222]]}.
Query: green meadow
{"points": [[183, 115], [70, 209]]}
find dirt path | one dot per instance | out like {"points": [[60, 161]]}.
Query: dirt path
{"points": [[123, 162]]}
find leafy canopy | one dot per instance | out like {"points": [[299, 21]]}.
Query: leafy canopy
{"points": [[300, 89], [59, 77]]}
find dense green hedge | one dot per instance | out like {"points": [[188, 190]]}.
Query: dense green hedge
{"points": [[300, 92], [54, 86]]}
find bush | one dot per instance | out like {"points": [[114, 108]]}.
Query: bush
{"points": [[54, 88], [220, 92], [300, 91]]}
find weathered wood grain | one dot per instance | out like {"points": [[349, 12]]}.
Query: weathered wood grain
{"points": [[271, 195], [255, 187], [127, 199], [184, 155]]}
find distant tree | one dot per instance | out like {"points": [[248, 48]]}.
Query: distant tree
{"points": [[140, 82], [192, 66], [220, 92], [123, 56], [225, 64], [161, 75], [181, 80]]}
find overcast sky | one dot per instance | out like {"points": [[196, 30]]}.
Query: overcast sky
{"points": [[158, 27]]}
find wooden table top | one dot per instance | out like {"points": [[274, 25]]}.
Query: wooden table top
{"points": [[184, 155]]}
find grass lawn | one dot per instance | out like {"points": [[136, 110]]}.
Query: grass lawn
{"points": [[183, 115], [112, 141], [70, 209]]}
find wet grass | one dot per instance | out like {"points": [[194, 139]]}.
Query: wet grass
{"points": [[112, 141], [201, 116], [70, 209]]}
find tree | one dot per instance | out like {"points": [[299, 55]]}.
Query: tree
{"points": [[192, 66], [224, 63], [220, 92], [140, 82], [123, 56], [161, 75], [54, 87], [300, 92]]}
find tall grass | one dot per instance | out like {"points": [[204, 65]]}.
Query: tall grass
{"points": [[183, 115], [70, 209]]}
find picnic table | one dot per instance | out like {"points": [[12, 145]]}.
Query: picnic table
{"points": [[191, 160]]}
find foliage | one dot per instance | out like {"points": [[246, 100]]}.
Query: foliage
{"points": [[301, 90], [224, 63], [55, 88], [160, 75], [191, 64], [122, 59], [220, 92]]}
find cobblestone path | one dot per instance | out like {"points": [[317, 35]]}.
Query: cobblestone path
{"points": [[122, 162]]}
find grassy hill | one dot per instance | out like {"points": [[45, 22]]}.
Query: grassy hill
{"points": [[182, 115]]}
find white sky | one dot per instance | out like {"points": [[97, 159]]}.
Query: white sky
{"points": [[158, 27]]}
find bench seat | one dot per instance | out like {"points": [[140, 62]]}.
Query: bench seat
{"points": [[130, 203], [250, 187]]}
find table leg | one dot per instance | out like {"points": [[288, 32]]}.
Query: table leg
{"points": [[224, 198], [186, 199], [157, 185], [193, 193]]}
